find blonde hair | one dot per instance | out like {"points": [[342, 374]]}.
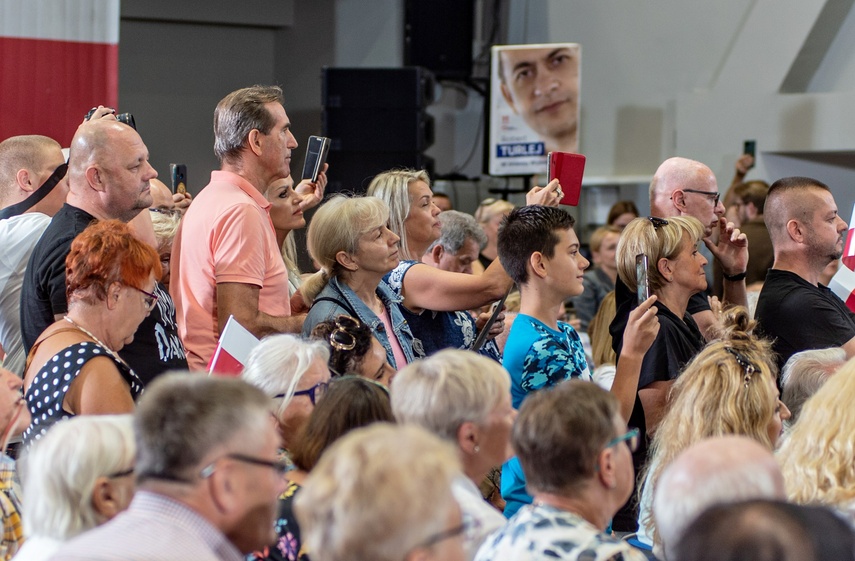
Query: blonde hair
{"points": [[447, 389], [598, 330], [662, 241], [599, 236], [714, 396], [393, 188], [488, 210], [289, 256], [165, 227], [337, 226], [818, 456], [377, 493]]}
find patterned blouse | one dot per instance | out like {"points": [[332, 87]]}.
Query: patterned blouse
{"points": [[289, 546]]}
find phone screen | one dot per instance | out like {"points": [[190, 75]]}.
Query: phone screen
{"points": [[642, 284], [750, 147]]}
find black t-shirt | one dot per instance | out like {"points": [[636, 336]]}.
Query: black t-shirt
{"points": [[799, 316], [43, 289], [156, 347]]}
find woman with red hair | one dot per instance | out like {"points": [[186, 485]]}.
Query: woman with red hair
{"points": [[74, 368]]}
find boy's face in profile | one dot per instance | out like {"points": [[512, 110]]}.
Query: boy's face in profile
{"points": [[565, 268]]}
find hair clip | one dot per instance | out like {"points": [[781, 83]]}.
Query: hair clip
{"points": [[657, 222], [746, 364]]}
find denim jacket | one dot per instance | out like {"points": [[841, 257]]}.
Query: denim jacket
{"points": [[323, 310]]}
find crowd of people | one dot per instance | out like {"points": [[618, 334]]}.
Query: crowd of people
{"points": [[443, 386]]}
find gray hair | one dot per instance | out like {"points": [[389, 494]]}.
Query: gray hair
{"points": [[457, 227], [721, 469], [62, 468], [238, 114], [804, 373], [278, 362], [182, 417], [447, 389], [377, 493], [392, 187]]}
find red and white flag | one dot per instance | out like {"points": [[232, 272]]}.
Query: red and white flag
{"points": [[843, 282], [232, 350], [58, 59]]}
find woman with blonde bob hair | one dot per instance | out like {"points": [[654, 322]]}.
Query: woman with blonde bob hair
{"points": [[78, 476], [351, 243], [463, 398], [383, 493], [729, 388], [818, 455]]}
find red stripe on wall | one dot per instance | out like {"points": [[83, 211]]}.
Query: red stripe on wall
{"points": [[46, 87]]}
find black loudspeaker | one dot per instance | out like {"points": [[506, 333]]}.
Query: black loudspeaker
{"points": [[438, 36], [376, 121]]}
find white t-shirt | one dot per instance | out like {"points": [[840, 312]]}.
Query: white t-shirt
{"points": [[20, 235]]}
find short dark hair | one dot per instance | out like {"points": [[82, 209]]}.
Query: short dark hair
{"points": [[560, 432], [526, 230], [753, 192], [351, 402], [622, 207], [764, 530], [182, 417]]}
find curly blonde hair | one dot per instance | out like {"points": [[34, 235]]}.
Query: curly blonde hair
{"points": [[715, 396], [818, 457]]}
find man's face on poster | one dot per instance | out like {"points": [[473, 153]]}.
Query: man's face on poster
{"points": [[542, 86]]}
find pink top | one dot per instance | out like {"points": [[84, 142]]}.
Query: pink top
{"points": [[226, 236], [397, 351]]}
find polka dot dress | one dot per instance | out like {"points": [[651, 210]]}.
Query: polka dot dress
{"points": [[47, 392]]}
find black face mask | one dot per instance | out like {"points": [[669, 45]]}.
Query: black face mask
{"points": [[42, 192]]}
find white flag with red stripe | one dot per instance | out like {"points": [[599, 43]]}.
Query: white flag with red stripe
{"points": [[58, 58], [843, 282], [233, 349]]}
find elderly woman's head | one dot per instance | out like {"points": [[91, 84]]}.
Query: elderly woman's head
{"points": [[383, 493], [664, 242], [79, 475], [462, 397], [354, 349], [294, 373]]}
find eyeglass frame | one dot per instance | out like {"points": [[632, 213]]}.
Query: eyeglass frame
{"points": [[715, 194], [309, 392], [123, 473], [631, 437], [438, 537], [166, 211], [281, 467], [153, 298]]}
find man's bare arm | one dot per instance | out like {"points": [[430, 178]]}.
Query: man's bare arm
{"points": [[241, 301]]}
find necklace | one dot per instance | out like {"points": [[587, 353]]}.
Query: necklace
{"points": [[98, 341]]}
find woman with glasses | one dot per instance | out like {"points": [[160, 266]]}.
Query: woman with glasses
{"points": [[353, 350], [576, 452], [351, 402], [293, 372], [436, 302], [465, 399], [350, 241], [728, 388], [79, 475], [74, 367]]}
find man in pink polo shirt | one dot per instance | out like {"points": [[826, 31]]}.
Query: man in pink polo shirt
{"points": [[225, 259]]}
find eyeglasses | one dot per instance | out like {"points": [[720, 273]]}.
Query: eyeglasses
{"points": [[149, 299], [166, 211], [489, 201], [746, 365], [631, 438], [447, 534], [118, 474], [657, 222], [714, 194], [315, 393], [341, 338], [279, 466]]}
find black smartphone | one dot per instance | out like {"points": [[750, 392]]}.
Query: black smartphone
{"points": [[316, 156], [642, 286], [750, 147], [178, 174]]}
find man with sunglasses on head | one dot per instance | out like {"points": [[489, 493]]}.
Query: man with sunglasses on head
{"points": [[208, 476], [32, 189], [108, 178]]}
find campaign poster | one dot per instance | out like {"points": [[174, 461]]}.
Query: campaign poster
{"points": [[534, 105]]}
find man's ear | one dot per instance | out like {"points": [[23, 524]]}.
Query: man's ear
{"points": [[95, 178], [253, 141], [506, 93], [678, 197], [436, 253], [345, 260], [537, 261], [796, 230], [606, 468], [24, 180]]}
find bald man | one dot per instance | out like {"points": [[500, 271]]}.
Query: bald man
{"points": [[32, 189], [108, 178], [794, 309], [724, 469]]}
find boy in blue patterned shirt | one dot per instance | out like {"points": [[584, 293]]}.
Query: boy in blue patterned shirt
{"points": [[540, 252]]}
